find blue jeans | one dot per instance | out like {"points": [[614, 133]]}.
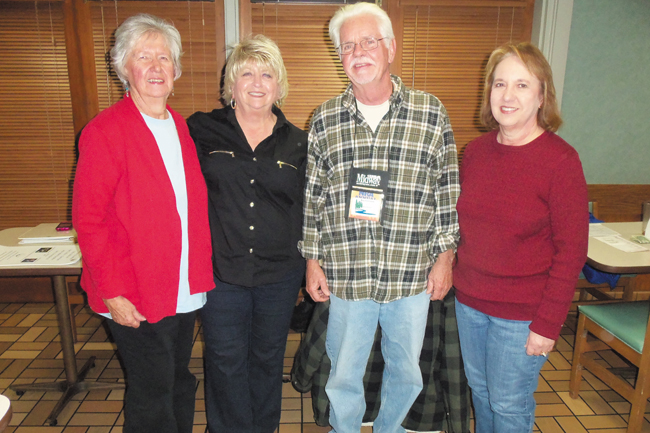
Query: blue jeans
{"points": [[502, 377], [245, 330], [350, 335]]}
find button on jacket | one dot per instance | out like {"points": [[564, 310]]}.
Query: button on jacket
{"points": [[255, 196]]}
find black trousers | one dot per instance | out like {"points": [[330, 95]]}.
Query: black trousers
{"points": [[160, 387]]}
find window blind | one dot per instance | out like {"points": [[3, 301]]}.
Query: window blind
{"points": [[198, 87], [443, 47], [37, 151], [314, 71]]}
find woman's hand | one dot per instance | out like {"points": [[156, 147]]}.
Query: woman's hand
{"points": [[538, 345], [124, 312]]}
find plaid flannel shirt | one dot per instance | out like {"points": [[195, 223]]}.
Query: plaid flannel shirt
{"points": [[389, 260]]}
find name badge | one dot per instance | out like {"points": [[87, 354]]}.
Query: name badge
{"points": [[366, 193]]}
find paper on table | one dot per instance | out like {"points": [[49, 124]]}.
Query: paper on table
{"points": [[622, 244], [39, 255], [597, 230], [47, 233]]}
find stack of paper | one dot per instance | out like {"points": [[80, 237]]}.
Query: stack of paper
{"points": [[613, 238], [46, 234]]}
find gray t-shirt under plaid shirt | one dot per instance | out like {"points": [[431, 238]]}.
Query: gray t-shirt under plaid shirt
{"points": [[389, 260]]}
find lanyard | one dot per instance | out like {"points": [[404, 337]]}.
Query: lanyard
{"points": [[367, 188]]}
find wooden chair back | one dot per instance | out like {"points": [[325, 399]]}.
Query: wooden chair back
{"points": [[618, 203]]}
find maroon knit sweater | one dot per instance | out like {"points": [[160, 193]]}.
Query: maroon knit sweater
{"points": [[524, 226]]}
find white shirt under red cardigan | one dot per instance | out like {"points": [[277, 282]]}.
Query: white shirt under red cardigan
{"points": [[124, 212]]}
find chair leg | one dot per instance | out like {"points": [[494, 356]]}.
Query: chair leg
{"points": [[638, 403], [628, 290], [636, 417], [582, 297], [578, 349]]}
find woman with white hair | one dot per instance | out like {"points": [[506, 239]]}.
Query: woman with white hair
{"points": [[253, 160], [140, 211]]}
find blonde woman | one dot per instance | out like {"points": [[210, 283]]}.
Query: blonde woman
{"points": [[253, 160]]}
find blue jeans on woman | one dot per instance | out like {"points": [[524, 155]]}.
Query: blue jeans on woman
{"points": [[245, 331], [501, 375]]}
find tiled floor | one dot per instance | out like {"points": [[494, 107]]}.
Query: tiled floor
{"points": [[30, 351]]}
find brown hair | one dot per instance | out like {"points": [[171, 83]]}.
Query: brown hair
{"points": [[548, 116]]}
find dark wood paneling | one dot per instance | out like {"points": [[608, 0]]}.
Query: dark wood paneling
{"points": [[36, 289], [619, 203]]}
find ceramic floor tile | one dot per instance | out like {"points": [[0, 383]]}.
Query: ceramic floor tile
{"points": [[15, 368], [552, 410], [20, 354], [558, 361], [27, 346], [100, 346], [33, 333], [49, 373], [570, 424], [602, 421], [562, 345], [39, 430], [556, 375], [547, 398], [30, 320], [101, 406], [621, 407], [30, 351], [597, 403], [577, 405], [90, 419], [14, 320], [548, 425]]}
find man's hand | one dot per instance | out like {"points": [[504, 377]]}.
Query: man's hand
{"points": [[124, 312], [441, 276], [538, 345], [316, 282]]}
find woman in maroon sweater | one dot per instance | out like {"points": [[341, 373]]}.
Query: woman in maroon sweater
{"points": [[524, 226]]}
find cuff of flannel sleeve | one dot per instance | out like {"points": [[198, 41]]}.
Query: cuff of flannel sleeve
{"points": [[443, 243], [310, 250]]}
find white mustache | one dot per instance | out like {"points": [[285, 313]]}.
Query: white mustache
{"points": [[358, 60]]}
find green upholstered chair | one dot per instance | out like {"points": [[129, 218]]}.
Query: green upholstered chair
{"points": [[623, 326]]}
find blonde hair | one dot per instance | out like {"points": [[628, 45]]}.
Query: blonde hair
{"points": [[262, 51], [548, 116]]}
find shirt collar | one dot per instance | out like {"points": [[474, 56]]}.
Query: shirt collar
{"points": [[396, 98], [279, 123]]}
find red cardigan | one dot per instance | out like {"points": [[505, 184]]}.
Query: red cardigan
{"points": [[524, 226], [124, 212]]}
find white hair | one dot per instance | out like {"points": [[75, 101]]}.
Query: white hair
{"points": [[129, 33], [358, 9]]}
